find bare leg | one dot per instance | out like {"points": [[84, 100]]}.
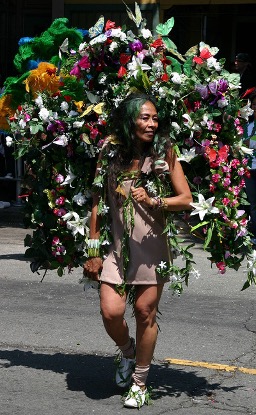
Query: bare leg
{"points": [[146, 303], [112, 310]]}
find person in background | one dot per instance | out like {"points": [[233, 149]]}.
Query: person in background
{"points": [[137, 216], [250, 182], [244, 67]]}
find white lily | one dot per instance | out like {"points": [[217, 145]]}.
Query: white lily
{"points": [[244, 149], [136, 65], [69, 178], [187, 155], [203, 206], [78, 225], [251, 264], [61, 140], [246, 111]]}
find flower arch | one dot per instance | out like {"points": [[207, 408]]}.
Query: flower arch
{"points": [[59, 121]]}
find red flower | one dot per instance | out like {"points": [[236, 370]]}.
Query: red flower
{"points": [[109, 25], [157, 43], [122, 72], [204, 54], [124, 58], [165, 77]]}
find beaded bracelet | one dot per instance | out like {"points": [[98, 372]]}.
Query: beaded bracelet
{"points": [[93, 247], [158, 203]]}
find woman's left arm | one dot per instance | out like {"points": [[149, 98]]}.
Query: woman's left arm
{"points": [[182, 194], [183, 197]]}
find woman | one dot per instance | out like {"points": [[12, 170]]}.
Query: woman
{"points": [[138, 165], [250, 182]]}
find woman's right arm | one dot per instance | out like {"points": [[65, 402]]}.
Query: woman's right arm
{"points": [[93, 265]]}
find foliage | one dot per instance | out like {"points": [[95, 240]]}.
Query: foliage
{"points": [[62, 121]]}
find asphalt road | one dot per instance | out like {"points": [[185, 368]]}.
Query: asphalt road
{"points": [[55, 358]]}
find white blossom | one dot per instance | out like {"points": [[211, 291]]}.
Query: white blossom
{"points": [[9, 141], [61, 140], [44, 114], [251, 264], [203, 206], [39, 101], [162, 265], [246, 111], [79, 199], [113, 46], [69, 179], [175, 78], [213, 63], [78, 124], [146, 33], [64, 106], [22, 123], [187, 155], [222, 103], [136, 65]]}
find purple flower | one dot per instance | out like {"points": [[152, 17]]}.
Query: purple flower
{"points": [[213, 87], [223, 85], [57, 126], [136, 46], [203, 91]]}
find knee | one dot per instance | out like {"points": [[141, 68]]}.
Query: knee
{"points": [[110, 313], [145, 315]]}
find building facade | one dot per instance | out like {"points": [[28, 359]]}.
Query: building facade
{"points": [[227, 24]]}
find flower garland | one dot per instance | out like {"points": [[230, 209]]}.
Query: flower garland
{"points": [[61, 122]]}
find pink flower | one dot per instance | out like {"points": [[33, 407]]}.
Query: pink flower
{"points": [[216, 178], [59, 212], [55, 240], [225, 201], [93, 133], [60, 201], [59, 178], [221, 266], [226, 182], [235, 163], [240, 171]]}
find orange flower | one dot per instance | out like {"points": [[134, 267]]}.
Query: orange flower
{"points": [[43, 78], [5, 111]]}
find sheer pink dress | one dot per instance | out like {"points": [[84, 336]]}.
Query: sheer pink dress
{"points": [[147, 243]]}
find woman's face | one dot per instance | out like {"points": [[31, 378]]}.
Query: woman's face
{"points": [[146, 123]]}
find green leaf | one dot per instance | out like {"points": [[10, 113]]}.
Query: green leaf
{"points": [[187, 67], [208, 237], [165, 28], [199, 225], [170, 45], [174, 67]]}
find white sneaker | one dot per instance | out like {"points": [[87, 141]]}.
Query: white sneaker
{"points": [[136, 397], [124, 372]]}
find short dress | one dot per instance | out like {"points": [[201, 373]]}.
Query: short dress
{"points": [[147, 243]]}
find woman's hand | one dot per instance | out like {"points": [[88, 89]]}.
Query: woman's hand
{"points": [[92, 268], [140, 195]]}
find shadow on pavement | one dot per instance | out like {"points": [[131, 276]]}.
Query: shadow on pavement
{"points": [[84, 372]]}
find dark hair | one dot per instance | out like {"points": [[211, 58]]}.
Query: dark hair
{"points": [[122, 123], [124, 116]]}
